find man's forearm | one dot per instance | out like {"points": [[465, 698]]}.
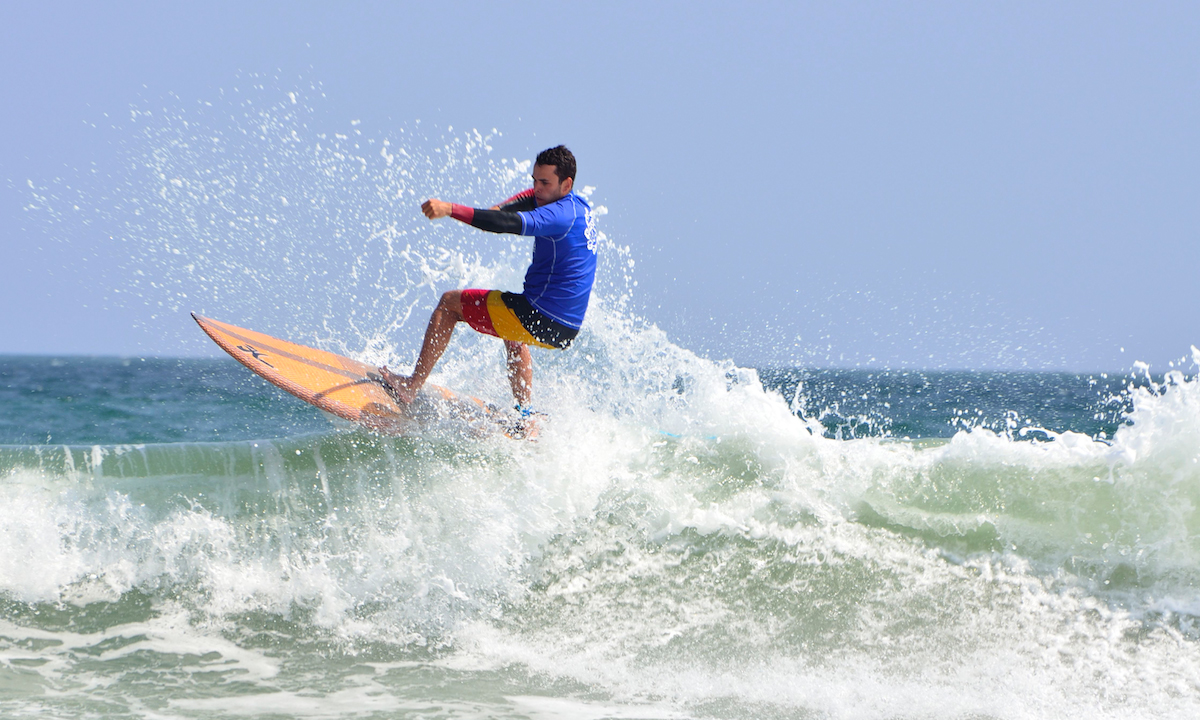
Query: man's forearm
{"points": [[497, 221]]}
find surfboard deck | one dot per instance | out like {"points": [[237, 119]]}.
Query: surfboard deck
{"points": [[354, 390]]}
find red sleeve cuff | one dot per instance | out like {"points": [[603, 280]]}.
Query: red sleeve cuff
{"points": [[462, 212]]}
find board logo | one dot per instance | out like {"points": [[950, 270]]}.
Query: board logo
{"points": [[257, 355]]}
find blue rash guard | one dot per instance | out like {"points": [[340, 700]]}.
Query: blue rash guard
{"points": [[559, 280]]}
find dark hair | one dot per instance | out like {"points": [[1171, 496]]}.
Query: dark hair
{"points": [[562, 160]]}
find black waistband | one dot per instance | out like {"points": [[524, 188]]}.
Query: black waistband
{"points": [[543, 329]]}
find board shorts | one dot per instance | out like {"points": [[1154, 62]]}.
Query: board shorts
{"points": [[510, 316]]}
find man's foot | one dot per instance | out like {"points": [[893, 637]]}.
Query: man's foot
{"points": [[398, 386]]}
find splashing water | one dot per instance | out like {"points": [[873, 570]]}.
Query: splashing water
{"points": [[246, 209], [679, 543]]}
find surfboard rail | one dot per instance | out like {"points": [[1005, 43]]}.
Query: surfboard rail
{"points": [[342, 386]]}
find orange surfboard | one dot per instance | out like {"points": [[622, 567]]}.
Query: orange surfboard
{"points": [[351, 389]]}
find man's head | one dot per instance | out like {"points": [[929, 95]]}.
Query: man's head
{"points": [[553, 175]]}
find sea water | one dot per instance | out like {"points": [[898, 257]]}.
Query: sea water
{"points": [[687, 538], [180, 539]]}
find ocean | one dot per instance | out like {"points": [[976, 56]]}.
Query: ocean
{"points": [[685, 539]]}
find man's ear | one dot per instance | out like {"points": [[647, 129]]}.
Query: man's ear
{"points": [[568, 184]]}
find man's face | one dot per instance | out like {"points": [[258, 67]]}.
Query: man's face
{"points": [[546, 187]]}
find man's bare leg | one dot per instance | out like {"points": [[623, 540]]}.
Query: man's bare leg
{"points": [[446, 315], [519, 364]]}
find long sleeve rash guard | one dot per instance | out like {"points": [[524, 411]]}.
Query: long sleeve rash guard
{"points": [[559, 280]]}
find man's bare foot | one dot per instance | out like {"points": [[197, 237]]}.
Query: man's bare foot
{"points": [[398, 386]]}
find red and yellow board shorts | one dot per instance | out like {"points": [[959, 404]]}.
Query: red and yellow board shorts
{"points": [[510, 316]]}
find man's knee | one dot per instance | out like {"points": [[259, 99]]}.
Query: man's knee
{"points": [[451, 302]]}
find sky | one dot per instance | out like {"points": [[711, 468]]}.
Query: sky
{"points": [[894, 185]]}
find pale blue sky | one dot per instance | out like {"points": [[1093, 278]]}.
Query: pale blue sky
{"points": [[897, 184]]}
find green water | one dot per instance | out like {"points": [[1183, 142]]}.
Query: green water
{"points": [[192, 543]]}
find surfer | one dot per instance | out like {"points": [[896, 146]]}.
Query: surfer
{"points": [[550, 308]]}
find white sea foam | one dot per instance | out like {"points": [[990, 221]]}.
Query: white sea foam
{"points": [[731, 562], [677, 543]]}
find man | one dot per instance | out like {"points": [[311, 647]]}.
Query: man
{"points": [[558, 283]]}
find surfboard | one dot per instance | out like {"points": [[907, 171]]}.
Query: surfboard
{"points": [[354, 390]]}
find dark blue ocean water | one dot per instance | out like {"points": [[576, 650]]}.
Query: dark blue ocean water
{"points": [[83, 400]]}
